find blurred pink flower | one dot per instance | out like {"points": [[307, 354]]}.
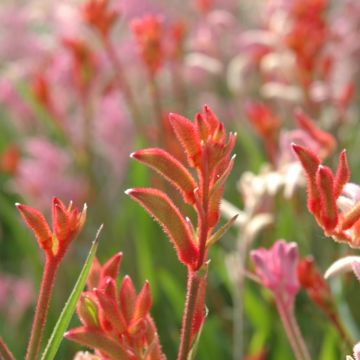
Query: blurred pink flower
{"points": [[45, 172], [16, 296], [9, 98], [276, 269], [114, 132]]}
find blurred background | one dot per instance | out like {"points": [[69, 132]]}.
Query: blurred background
{"points": [[78, 95]]}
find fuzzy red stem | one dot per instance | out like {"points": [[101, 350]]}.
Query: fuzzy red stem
{"points": [[193, 280], [191, 294], [5, 353], [42, 307]]}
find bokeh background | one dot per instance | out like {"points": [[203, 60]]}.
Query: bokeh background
{"points": [[68, 125]]}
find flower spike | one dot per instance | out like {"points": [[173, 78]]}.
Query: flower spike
{"points": [[67, 223], [115, 319], [331, 199]]}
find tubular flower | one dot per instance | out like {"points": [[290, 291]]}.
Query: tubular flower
{"points": [[207, 151], [115, 320], [67, 222], [276, 269], [148, 34], [331, 199], [315, 285]]}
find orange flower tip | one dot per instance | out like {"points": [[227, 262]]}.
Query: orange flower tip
{"points": [[17, 204], [133, 155]]}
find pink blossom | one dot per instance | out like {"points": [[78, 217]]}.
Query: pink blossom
{"points": [[114, 132], [276, 269], [46, 172], [16, 296]]}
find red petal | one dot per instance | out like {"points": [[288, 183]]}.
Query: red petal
{"points": [[169, 167], [188, 137], [167, 214], [329, 213], [97, 340], [35, 220], [127, 297], [61, 221], [111, 267], [143, 303], [342, 174], [322, 137], [310, 163]]}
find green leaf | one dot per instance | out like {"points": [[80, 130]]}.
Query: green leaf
{"points": [[221, 231], [69, 308]]}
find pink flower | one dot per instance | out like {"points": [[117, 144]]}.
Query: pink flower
{"points": [[16, 296], [276, 269], [46, 172], [114, 133]]}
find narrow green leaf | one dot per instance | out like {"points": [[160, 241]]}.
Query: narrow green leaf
{"points": [[221, 231], [69, 308]]}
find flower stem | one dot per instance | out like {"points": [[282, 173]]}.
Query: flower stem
{"points": [[5, 353], [191, 294], [292, 330], [42, 306]]}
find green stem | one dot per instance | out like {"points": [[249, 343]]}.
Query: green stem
{"points": [[5, 353], [42, 307]]}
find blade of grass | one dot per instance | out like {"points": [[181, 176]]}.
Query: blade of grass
{"points": [[69, 308]]}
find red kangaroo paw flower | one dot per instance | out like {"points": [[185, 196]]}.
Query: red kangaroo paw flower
{"points": [[169, 167], [188, 137], [127, 297], [116, 321], [342, 174], [67, 224], [93, 338], [98, 15], [310, 163], [326, 140], [167, 214], [148, 35], [39, 226], [143, 303], [329, 213]]}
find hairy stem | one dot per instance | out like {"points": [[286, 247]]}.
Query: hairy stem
{"points": [[191, 294], [5, 353], [42, 306]]}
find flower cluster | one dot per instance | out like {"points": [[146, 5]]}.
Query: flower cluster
{"points": [[67, 223], [328, 193], [116, 320], [208, 153]]}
